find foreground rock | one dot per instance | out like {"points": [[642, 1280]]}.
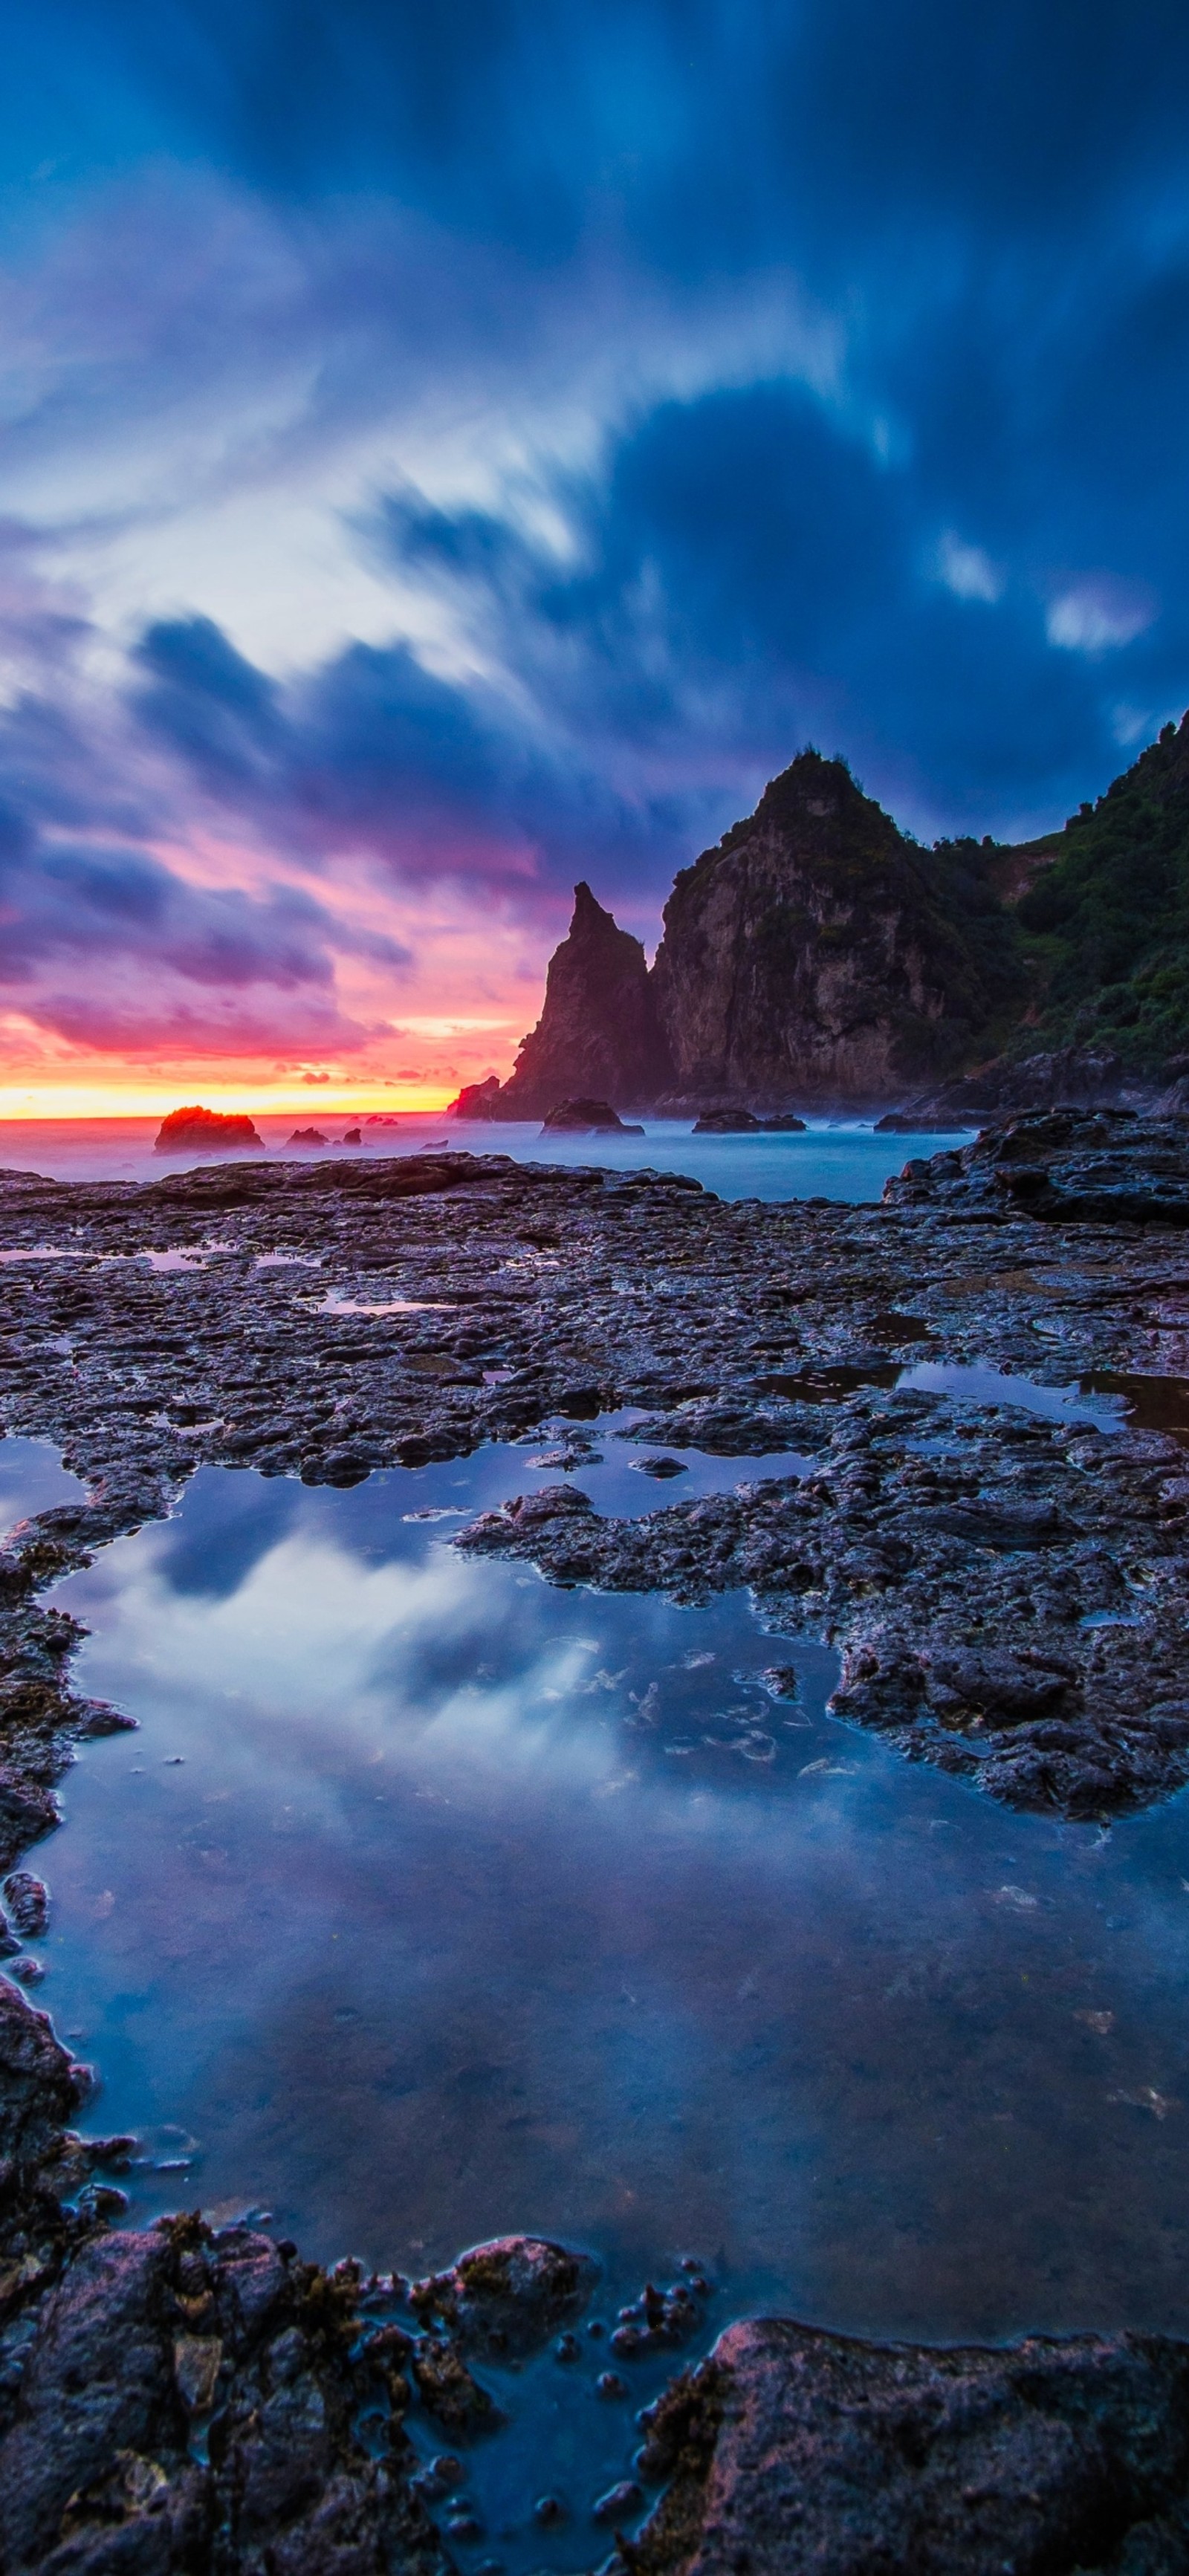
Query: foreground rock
{"points": [[791, 2451], [508, 2296], [1008, 1592], [1009, 1596], [200, 2399], [207, 1131]]}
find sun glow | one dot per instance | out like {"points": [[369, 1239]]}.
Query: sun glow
{"points": [[111, 1098]]}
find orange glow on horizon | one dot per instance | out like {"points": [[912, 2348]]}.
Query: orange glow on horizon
{"points": [[112, 1099]]}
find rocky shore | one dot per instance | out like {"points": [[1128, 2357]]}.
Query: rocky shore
{"points": [[1006, 1588]]}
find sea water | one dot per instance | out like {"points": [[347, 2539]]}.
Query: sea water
{"points": [[835, 1160]]}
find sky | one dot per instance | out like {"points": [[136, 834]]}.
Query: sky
{"points": [[447, 452]]}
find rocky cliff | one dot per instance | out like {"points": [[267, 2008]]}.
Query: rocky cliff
{"points": [[598, 1035], [818, 956]]}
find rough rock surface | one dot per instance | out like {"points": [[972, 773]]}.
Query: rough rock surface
{"points": [[790, 2450], [1013, 1086], [207, 1131], [598, 1034], [508, 2296], [198, 2400], [816, 955], [1008, 1592]]}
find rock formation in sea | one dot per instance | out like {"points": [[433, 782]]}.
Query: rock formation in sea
{"points": [[586, 1118], [475, 1100], [598, 1036], [206, 1131], [817, 956]]}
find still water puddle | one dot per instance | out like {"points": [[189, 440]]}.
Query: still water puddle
{"points": [[32, 1479], [433, 1901], [430, 1902]]}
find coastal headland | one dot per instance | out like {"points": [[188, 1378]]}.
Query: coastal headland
{"points": [[1004, 1576]]}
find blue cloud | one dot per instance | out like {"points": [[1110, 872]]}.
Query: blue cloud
{"points": [[984, 217]]}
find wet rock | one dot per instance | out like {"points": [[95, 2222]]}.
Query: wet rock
{"points": [[509, 2296], [449, 2390], [660, 1466], [27, 1811], [143, 2337], [27, 1900], [743, 1330], [657, 2319], [744, 1122], [619, 2503], [586, 1118], [792, 2450], [41, 2086]]}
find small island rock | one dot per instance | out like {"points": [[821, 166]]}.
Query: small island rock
{"points": [[586, 1118], [208, 1131]]}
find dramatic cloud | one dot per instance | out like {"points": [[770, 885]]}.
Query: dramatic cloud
{"points": [[445, 453]]}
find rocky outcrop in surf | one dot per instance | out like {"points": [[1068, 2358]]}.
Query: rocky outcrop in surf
{"points": [[598, 1036], [207, 1131]]}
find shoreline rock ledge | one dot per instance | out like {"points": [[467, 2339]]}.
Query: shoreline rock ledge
{"points": [[790, 2452]]}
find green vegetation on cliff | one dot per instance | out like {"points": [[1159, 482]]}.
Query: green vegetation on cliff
{"points": [[1104, 925]]}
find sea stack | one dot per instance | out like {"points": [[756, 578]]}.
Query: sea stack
{"points": [[598, 1036]]}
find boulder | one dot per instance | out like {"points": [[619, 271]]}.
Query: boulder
{"points": [[790, 2450], [586, 1118]]}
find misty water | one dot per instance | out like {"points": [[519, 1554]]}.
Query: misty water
{"points": [[834, 1159]]}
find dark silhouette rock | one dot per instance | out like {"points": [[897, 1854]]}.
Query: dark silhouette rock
{"points": [[818, 953], [352, 1136], [476, 1100], [790, 2450], [1008, 1087], [586, 1118], [307, 1136], [744, 1122], [206, 1131], [598, 1035]]}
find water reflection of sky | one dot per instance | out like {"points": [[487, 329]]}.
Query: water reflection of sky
{"points": [[434, 1901]]}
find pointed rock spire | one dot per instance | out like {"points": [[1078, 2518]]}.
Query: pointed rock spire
{"points": [[598, 1034]]}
